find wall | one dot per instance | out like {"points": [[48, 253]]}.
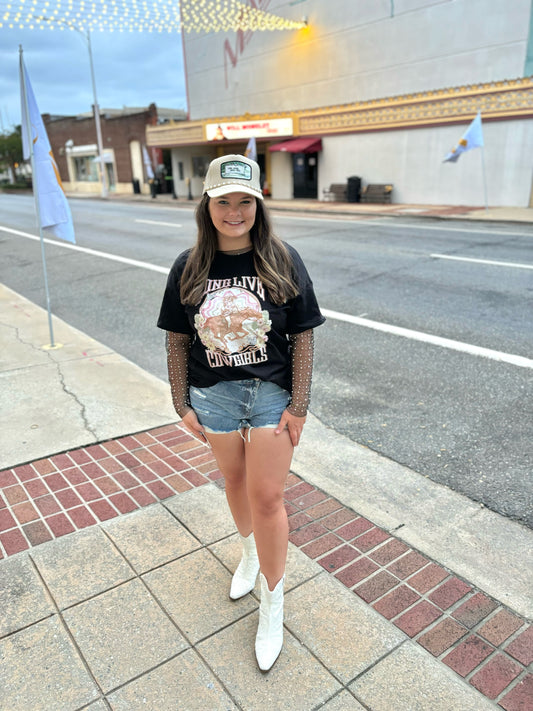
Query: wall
{"points": [[281, 167], [412, 161], [354, 50]]}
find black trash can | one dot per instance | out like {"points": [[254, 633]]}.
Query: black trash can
{"points": [[354, 189], [136, 186]]}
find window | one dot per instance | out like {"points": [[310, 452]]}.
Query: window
{"points": [[200, 164], [85, 169]]}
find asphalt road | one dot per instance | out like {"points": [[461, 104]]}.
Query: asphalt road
{"points": [[458, 416]]}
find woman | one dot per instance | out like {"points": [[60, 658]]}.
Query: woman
{"points": [[239, 310]]}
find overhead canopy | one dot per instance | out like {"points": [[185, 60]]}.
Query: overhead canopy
{"points": [[298, 145]]}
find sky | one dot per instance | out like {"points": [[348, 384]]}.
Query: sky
{"points": [[131, 69]]}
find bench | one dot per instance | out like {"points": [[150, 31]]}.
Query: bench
{"points": [[337, 192], [376, 192]]}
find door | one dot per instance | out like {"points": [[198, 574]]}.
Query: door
{"points": [[305, 175]]}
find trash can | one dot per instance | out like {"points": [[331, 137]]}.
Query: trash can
{"points": [[136, 186], [354, 189]]}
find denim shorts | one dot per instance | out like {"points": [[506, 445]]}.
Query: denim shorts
{"points": [[235, 405]]}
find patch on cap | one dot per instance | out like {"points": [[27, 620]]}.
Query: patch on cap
{"points": [[236, 170]]}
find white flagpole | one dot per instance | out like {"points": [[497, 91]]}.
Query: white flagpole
{"points": [[484, 177], [36, 194]]}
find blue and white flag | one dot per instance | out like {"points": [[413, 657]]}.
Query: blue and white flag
{"points": [[251, 149], [53, 210], [148, 164], [472, 138]]}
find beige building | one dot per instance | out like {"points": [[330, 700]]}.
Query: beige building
{"points": [[379, 89]]}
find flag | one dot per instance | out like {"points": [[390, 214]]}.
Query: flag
{"points": [[251, 149], [148, 164], [472, 138], [53, 210]]}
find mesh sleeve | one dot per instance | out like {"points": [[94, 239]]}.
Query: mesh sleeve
{"points": [[178, 347], [302, 348]]}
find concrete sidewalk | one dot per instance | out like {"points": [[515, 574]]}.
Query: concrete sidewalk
{"points": [[357, 210], [117, 552]]}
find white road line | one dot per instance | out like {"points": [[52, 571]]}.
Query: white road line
{"points": [[433, 340], [156, 222], [378, 221], [347, 318], [93, 252], [483, 261]]}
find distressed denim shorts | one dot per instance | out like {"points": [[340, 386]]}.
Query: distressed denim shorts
{"points": [[235, 405]]}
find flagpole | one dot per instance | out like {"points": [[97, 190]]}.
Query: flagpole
{"points": [[36, 196], [96, 116], [484, 177]]}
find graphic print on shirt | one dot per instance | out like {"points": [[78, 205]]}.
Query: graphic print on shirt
{"points": [[233, 327]]}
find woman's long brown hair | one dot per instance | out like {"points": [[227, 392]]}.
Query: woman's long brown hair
{"points": [[272, 260]]}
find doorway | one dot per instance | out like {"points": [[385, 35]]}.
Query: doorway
{"points": [[305, 175]]}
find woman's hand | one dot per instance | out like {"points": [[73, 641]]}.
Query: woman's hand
{"points": [[190, 421], [294, 424]]}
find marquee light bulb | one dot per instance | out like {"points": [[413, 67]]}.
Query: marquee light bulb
{"points": [[151, 15]]}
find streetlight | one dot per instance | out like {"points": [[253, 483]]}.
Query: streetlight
{"points": [[99, 144]]}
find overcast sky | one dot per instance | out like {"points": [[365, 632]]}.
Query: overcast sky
{"points": [[130, 70]]}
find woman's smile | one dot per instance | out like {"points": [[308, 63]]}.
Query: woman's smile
{"points": [[233, 216]]}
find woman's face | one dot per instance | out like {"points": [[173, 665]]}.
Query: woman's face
{"points": [[233, 216]]}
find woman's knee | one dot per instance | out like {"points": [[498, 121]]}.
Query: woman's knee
{"points": [[267, 504]]}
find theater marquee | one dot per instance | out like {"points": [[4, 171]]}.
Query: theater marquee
{"points": [[268, 128]]}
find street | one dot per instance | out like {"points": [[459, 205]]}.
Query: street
{"points": [[457, 410]]}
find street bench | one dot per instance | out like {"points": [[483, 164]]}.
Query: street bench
{"points": [[337, 192], [375, 192]]}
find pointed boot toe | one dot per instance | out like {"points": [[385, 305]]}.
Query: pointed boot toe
{"points": [[269, 639], [244, 578]]}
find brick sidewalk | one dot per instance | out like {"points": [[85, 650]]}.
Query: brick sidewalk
{"points": [[482, 641]]}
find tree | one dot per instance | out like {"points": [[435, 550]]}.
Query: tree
{"points": [[11, 150]]}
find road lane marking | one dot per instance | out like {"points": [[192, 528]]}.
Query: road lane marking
{"points": [[92, 252], [335, 315], [433, 340], [157, 222], [483, 261], [379, 222]]}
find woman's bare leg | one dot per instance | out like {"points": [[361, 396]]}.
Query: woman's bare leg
{"points": [[230, 455], [268, 458]]}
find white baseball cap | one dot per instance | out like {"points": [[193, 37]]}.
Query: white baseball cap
{"points": [[233, 174]]}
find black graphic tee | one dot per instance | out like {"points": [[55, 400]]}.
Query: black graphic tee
{"points": [[237, 332]]}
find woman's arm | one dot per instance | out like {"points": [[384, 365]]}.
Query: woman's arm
{"points": [[293, 417], [302, 349], [178, 347]]}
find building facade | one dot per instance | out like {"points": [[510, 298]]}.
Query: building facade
{"points": [[381, 90], [128, 165]]}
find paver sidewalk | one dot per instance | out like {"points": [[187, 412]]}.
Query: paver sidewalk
{"points": [[370, 622]]}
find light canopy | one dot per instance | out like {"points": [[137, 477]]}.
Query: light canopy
{"points": [[140, 16]]}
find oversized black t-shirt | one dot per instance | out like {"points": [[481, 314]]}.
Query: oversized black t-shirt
{"points": [[237, 332]]}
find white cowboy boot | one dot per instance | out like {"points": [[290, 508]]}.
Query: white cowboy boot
{"points": [[269, 639], [244, 578]]}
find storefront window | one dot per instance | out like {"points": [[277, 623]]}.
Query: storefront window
{"points": [[200, 165], [85, 169]]}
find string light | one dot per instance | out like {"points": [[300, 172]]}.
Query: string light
{"points": [[141, 16]]}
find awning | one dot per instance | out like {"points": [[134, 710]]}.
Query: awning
{"points": [[298, 145], [107, 158]]}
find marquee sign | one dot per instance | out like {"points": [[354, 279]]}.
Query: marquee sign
{"points": [[260, 128]]}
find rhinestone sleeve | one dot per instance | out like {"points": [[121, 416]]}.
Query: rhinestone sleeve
{"points": [[178, 347], [302, 348]]}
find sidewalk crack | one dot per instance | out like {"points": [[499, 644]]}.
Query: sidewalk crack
{"points": [[65, 388], [72, 394]]}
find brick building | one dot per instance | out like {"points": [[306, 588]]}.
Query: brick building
{"points": [[73, 141]]}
